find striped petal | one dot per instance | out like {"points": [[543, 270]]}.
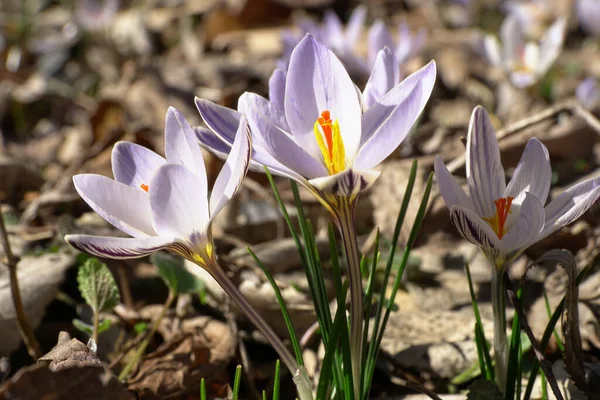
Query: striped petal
{"points": [[533, 174], [125, 207], [348, 183], [485, 174], [119, 248], [179, 202], [229, 179], [450, 190], [277, 89], [474, 229], [223, 121], [384, 76], [134, 165], [530, 223]]}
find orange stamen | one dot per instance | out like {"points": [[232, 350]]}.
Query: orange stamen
{"points": [[325, 122], [498, 221], [144, 187]]}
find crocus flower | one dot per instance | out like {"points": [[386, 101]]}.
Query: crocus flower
{"points": [[96, 15], [503, 220], [588, 12], [320, 131], [588, 92], [406, 45], [524, 62], [534, 16], [164, 205]]}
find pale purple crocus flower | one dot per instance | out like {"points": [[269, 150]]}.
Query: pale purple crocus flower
{"points": [[524, 62], [588, 12], [534, 16], [319, 130], [164, 204], [588, 92], [406, 45], [504, 220]]}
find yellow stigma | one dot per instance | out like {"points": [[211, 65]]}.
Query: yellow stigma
{"points": [[330, 143], [499, 219]]}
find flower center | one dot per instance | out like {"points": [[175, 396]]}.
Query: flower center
{"points": [[499, 219], [330, 143], [144, 187]]}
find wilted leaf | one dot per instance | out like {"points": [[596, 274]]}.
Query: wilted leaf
{"points": [[177, 278], [484, 390], [97, 285]]}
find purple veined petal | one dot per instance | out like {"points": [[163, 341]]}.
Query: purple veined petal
{"points": [[317, 82], [379, 37], [119, 248], [588, 92], [254, 103], [180, 144], [485, 174], [125, 207], [179, 202], [355, 25], [233, 172], [491, 48], [134, 165], [221, 120], [551, 45], [333, 30], [348, 183], [473, 228], [513, 42], [386, 123], [277, 89], [588, 13], [212, 143], [523, 79], [533, 174], [384, 76], [570, 205], [526, 230], [450, 190], [279, 144]]}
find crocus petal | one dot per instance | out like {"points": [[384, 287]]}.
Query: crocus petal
{"points": [[317, 81], [252, 103], [119, 248], [384, 76], [531, 58], [533, 174], [551, 45], [523, 79], [530, 223], [277, 88], [348, 183], [387, 122], [355, 25], [125, 207], [223, 121], [179, 202], [212, 143], [473, 228], [379, 37], [570, 205], [588, 92], [485, 174], [133, 164], [333, 30], [181, 146], [513, 42], [450, 190], [491, 48], [588, 13], [229, 179]]}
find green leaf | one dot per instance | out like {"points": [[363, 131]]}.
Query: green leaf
{"points": [[236, 382], [484, 390], [104, 325], [140, 327], [177, 278], [97, 285], [202, 389], [276, 382], [83, 327]]}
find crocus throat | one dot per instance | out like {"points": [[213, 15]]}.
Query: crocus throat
{"points": [[330, 143], [499, 219], [144, 187]]}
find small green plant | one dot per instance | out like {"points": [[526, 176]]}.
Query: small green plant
{"points": [[100, 291]]}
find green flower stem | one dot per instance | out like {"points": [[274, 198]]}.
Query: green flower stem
{"points": [[344, 219], [500, 340], [232, 291]]}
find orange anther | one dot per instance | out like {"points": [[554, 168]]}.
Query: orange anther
{"points": [[144, 187]]}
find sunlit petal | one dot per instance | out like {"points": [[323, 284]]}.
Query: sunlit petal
{"points": [[119, 248], [134, 165], [533, 174]]}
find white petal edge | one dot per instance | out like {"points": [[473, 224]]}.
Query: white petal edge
{"points": [[119, 248]]}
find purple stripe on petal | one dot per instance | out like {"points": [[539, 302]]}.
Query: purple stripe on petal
{"points": [[118, 248], [473, 228], [221, 120], [348, 183]]}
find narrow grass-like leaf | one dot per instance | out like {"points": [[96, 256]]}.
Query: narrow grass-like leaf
{"points": [[489, 367], [236, 382], [369, 297], [372, 349], [535, 368], [559, 343], [276, 382], [390, 303], [513, 354], [202, 389], [286, 315]]}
